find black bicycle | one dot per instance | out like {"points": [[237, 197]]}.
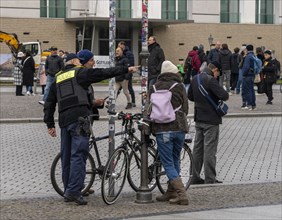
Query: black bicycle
{"points": [[126, 162], [91, 169]]}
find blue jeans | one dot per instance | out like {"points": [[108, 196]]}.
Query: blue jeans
{"points": [[169, 147], [248, 91], [74, 148], [239, 82], [49, 82], [29, 89]]}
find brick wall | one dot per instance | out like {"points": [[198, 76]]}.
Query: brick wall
{"points": [[190, 35], [56, 31], [62, 35]]}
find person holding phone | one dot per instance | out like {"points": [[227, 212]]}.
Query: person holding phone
{"points": [[87, 60]]}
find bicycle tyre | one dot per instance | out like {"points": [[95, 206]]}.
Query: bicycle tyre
{"points": [[134, 169], [56, 174], [186, 170], [113, 178]]}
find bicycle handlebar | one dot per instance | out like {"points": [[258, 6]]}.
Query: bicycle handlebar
{"points": [[129, 116]]}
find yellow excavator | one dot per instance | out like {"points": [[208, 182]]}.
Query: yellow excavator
{"points": [[15, 46]]}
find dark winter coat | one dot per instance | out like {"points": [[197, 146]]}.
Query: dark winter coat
{"points": [[224, 58], [28, 71], [53, 64], [203, 111], [155, 60], [213, 55], [268, 71], [202, 55], [179, 97], [129, 55], [122, 61], [234, 63], [85, 77]]}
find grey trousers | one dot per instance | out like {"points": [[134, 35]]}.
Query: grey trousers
{"points": [[204, 152]]}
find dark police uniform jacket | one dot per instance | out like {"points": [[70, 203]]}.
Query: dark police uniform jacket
{"points": [[74, 102]]}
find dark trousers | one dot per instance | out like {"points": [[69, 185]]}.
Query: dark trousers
{"points": [[268, 90], [19, 90], [74, 148], [234, 79], [131, 91]]}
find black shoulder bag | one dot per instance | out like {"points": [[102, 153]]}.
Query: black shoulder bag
{"points": [[221, 108]]}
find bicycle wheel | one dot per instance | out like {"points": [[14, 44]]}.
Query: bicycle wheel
{"points": [[56, 174], [134, 170], [114, 176], [186, 170]]}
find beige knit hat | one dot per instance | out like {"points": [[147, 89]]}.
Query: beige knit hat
{"points": [[169, 67]]}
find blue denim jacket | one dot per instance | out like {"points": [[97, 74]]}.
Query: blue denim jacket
{"points": [[248, 65]]}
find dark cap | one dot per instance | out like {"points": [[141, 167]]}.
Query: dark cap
{"points": [[268, 52], [250, 47], [216, 64], [84, 56], [53, 48], [71, 56]]}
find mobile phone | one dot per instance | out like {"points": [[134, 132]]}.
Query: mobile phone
{"points": [[106, 98]]}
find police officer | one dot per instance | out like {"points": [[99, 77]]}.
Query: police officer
{"points": [[70, 91]]}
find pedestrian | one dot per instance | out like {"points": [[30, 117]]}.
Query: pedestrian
{"points": [[86, 58], [213, 54], [170, 136], [268, 75], [122, 80], [70, 91], [248, 92], [155, 60], [42, 74], [192, 63], [202, 55], [129, 55], [225, 59], [259, 54], [28, 72], [234, 69], [206, 123], [18, 74], [53, 65], [241, 58]]}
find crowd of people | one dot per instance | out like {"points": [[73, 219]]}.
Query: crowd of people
{"points": [[66, 80]]}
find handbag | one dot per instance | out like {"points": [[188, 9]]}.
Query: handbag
{"points": [[221, 108], [257, 78]]}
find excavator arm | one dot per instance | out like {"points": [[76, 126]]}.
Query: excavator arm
{"points": [[12, 42]]}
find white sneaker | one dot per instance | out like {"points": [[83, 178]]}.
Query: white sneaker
{"points": [[32, 94], [41, 102], [28, 93]]}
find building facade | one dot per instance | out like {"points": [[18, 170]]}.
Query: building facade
{"points": [[178, 24]]}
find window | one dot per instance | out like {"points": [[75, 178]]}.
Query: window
{"points": [[264, 11], [229, 11], [182, 9], [124, 8], [53, 8], [168, 9]]}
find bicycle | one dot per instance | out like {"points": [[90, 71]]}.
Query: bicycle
{"points": [[122, 165], [125, 161], [91, 169]]}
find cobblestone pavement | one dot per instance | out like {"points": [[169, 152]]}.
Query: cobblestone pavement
{"points": [[249, 163]]}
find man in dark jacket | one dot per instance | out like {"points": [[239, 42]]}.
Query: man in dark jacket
{"points": [[54, 63], [224, 59], [70, 90], [155, 60], [207, 123], [213, 54], [234, 69]]}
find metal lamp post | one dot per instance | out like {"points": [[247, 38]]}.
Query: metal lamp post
{"points": [[79, 40], [210, 39], [144, 195]]}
